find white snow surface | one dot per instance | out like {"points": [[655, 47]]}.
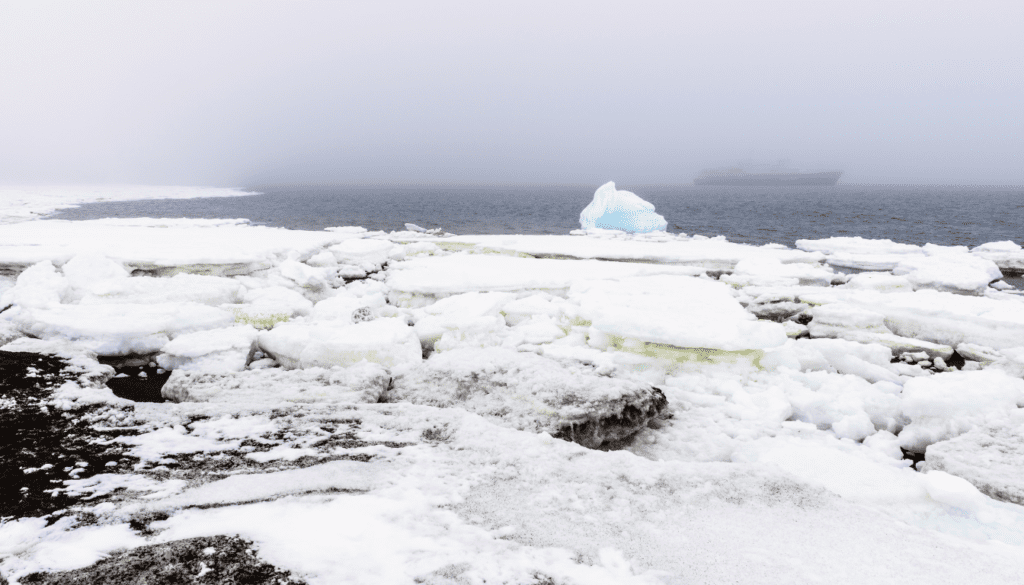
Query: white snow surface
{"points": [[352, 458], [613, 209]]}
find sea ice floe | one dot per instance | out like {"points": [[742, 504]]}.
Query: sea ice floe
{"points": [[613, 209], [387, 341]]}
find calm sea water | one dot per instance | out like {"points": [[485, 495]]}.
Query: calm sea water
{"points": [[910, 214]]}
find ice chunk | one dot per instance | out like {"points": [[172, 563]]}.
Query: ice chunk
{"points": [[215, 350], [681, 311], [264, 307], [302, 274], [208, 290], [529, 392], [959, 273], [95, 274], [857, 245], [990, 457], [120, 329], [388, 342], [938, 317], [854, 323], [522, 309], [464, 316], [38, 286], [344, 305], [945, 405], [369, 255], [879, 281], [1008, 256], [361, 382], [772, 272], [620, 210], [708, 253]]}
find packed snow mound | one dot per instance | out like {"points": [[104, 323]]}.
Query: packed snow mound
{"points": [[612, 209], [529, 392]]}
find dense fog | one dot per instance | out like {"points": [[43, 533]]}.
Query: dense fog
{"points": [[249, 93]]}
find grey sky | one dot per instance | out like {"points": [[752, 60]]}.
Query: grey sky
{"points": [[234, 93]]}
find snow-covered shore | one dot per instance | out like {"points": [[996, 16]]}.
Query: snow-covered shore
{"points": [[21, 203], [369, 407]]}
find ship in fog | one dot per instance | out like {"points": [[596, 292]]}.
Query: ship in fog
{"points": [[777, 177]]}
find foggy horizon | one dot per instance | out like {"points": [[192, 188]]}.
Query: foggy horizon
{"points": [[249, 94]]}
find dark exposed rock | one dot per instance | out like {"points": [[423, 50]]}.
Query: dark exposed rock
{"points": [[42, 445], [221, 560], [136, 380], [613, 431]]}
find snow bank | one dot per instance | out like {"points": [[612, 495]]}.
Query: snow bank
{"points": [[612, 209]]}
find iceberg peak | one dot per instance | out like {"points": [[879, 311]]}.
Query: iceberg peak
{"points": [[620, 210]]}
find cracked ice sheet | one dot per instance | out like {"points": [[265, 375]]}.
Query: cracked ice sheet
{"points": [[20, 203], [159, 244], [708, 253]]}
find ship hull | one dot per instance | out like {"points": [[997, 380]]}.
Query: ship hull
{"points": [[826, 179]]}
